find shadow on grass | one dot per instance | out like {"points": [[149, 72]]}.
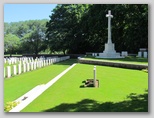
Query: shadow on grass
{"points": [[137, 103], [67, 62]]}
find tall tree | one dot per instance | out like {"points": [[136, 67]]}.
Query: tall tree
{"points": [[35, 40], [129, 26], [62, 29], [11, 43], [24, 30]]}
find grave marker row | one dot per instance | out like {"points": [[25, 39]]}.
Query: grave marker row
{"points": [[29, 66]]}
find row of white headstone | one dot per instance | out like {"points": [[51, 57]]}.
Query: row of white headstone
{"points": [[143, 54], [29, 66], [15, 60], [125, 54]]}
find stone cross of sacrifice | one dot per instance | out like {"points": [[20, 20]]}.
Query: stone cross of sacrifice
{"points": [[109, 25]]}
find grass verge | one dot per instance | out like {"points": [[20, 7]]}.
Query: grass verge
{"points": [[120, 90], [16, 86], [135, 60]]}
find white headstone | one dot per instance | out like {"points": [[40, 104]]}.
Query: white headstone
{"points": [[8, 71], [44, 63], [9, 61], [4, 72], [4, 60], [37, 64], [34, 65], [23, 62], [47, 62], [51, 61], [24, 68], [19, 69], [27, 66], [31, 64], [15, 60], [14, 69], [139, 54], [124, 53], [145, 54]]}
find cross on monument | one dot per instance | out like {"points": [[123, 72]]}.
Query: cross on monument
{"points": [[109, 51], [109, 25]]}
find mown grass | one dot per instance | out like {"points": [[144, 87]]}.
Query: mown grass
{"points": [[119, 90], [129, 59], [16, 86], [13, 55]]}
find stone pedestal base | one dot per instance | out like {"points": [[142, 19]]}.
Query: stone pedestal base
{"points": [[109, 52], [109, 55]]}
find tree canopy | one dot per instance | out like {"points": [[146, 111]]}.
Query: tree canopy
{"points": [[11, 43], [31, 34], [80, 28]]}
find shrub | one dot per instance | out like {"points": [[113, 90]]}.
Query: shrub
{"points": [[145, 70], [10, 105]]}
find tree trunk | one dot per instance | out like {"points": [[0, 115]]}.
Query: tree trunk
{"points": [[11, 51], [64, 52], [36, 53]]}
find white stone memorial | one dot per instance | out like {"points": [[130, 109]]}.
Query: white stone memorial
{"points": [[24, 68], [37, 64], [4, 60], [139, 54], [124, 53], [40, 64], [44, 63], [14, 70], [4, 72], [8, 71], [34, 65], [27, 66], [49, 61], [145, 54], [109, 51], [31, 64], [19, 69]]}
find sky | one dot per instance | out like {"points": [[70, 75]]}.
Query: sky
{"points": [[23, 12]]}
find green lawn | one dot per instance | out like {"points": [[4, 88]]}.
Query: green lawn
{"points": [[135, 60], [16, 86], [119, 90], [13, 55]]}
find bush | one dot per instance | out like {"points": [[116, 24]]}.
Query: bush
{"points": [[145, 70], [10, 105]]}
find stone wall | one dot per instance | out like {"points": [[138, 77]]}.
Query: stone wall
{"points": [[113, 64], [53, 55]]}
